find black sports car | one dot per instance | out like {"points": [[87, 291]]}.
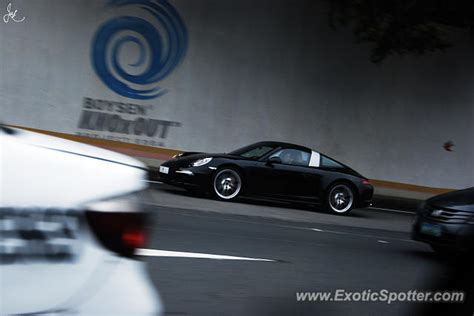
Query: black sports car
{"points": [[271, 170], [446, 222]]}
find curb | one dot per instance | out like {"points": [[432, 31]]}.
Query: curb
{"points": [[396, 203]]}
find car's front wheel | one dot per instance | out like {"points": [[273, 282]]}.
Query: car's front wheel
{"points": [[443, 251], [226, 184], [340, 199]]}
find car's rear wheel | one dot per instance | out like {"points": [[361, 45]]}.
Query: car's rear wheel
{"points": [[340, 199], [226, 184]]}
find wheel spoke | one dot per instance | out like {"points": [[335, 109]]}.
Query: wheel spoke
{"points": [[227, 184], [340, 198]]}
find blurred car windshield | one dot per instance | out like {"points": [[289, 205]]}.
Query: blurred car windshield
{"points": [[254, 151]]}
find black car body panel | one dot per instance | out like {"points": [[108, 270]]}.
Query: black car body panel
{"points": [[447, 220], [462, 200], [269, 181]]}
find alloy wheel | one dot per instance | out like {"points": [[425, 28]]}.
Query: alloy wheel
{"points": [[341, 198], [227, 184]]}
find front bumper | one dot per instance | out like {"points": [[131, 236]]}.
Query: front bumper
{"points": [[459, 237], [189, 178]]}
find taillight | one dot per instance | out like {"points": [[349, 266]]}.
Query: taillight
{"points": [[365, 182], [119, 223], [134, 238], [119, 232]]}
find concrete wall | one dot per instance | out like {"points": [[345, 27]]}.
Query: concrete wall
{"points": [[254, 70]]}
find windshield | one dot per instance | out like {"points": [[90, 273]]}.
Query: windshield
{"points": [[254, 151]]}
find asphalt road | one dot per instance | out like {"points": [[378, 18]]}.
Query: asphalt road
{"points": [[308, 255]]}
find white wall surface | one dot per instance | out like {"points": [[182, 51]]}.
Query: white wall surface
{"points": [[258, 70]]}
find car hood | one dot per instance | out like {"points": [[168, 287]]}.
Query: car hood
{"points": [[462, 200], [189, 157]]}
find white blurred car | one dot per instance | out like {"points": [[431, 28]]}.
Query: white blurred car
{"points": [[71, 218]]}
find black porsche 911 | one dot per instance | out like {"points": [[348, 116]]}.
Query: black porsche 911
{"points": [[271, 170]]}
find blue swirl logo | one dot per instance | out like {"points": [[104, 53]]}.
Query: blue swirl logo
{"points": [[160, 47]]}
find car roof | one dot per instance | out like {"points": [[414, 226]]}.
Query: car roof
{"points": [[283, 144]]}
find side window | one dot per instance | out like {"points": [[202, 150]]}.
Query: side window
{"points": [[329, 163], [293, 157]]}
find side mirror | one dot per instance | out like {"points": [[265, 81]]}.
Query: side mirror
{"points": [[273, 160]]}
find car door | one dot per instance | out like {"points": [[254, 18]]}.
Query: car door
{"points": [[292, 178]]}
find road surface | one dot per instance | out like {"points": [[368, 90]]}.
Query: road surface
{"points": [[217, 258]]}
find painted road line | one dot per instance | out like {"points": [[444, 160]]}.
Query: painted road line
{"points": [[150, 181], [360, 235], [390, 210], [194, 255]]}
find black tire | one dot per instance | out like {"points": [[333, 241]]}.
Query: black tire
{"points": [[226, 184], [442, 251], [340, 198]]}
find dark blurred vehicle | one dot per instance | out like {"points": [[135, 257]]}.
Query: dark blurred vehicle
{"points": [[271, 170], [71, 218], [446, 222]]}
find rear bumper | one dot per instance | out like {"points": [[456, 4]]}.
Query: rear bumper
{"points": [[127, 291], [366, 193]]}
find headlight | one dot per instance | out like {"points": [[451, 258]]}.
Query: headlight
{"points": [[201, 162]]}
